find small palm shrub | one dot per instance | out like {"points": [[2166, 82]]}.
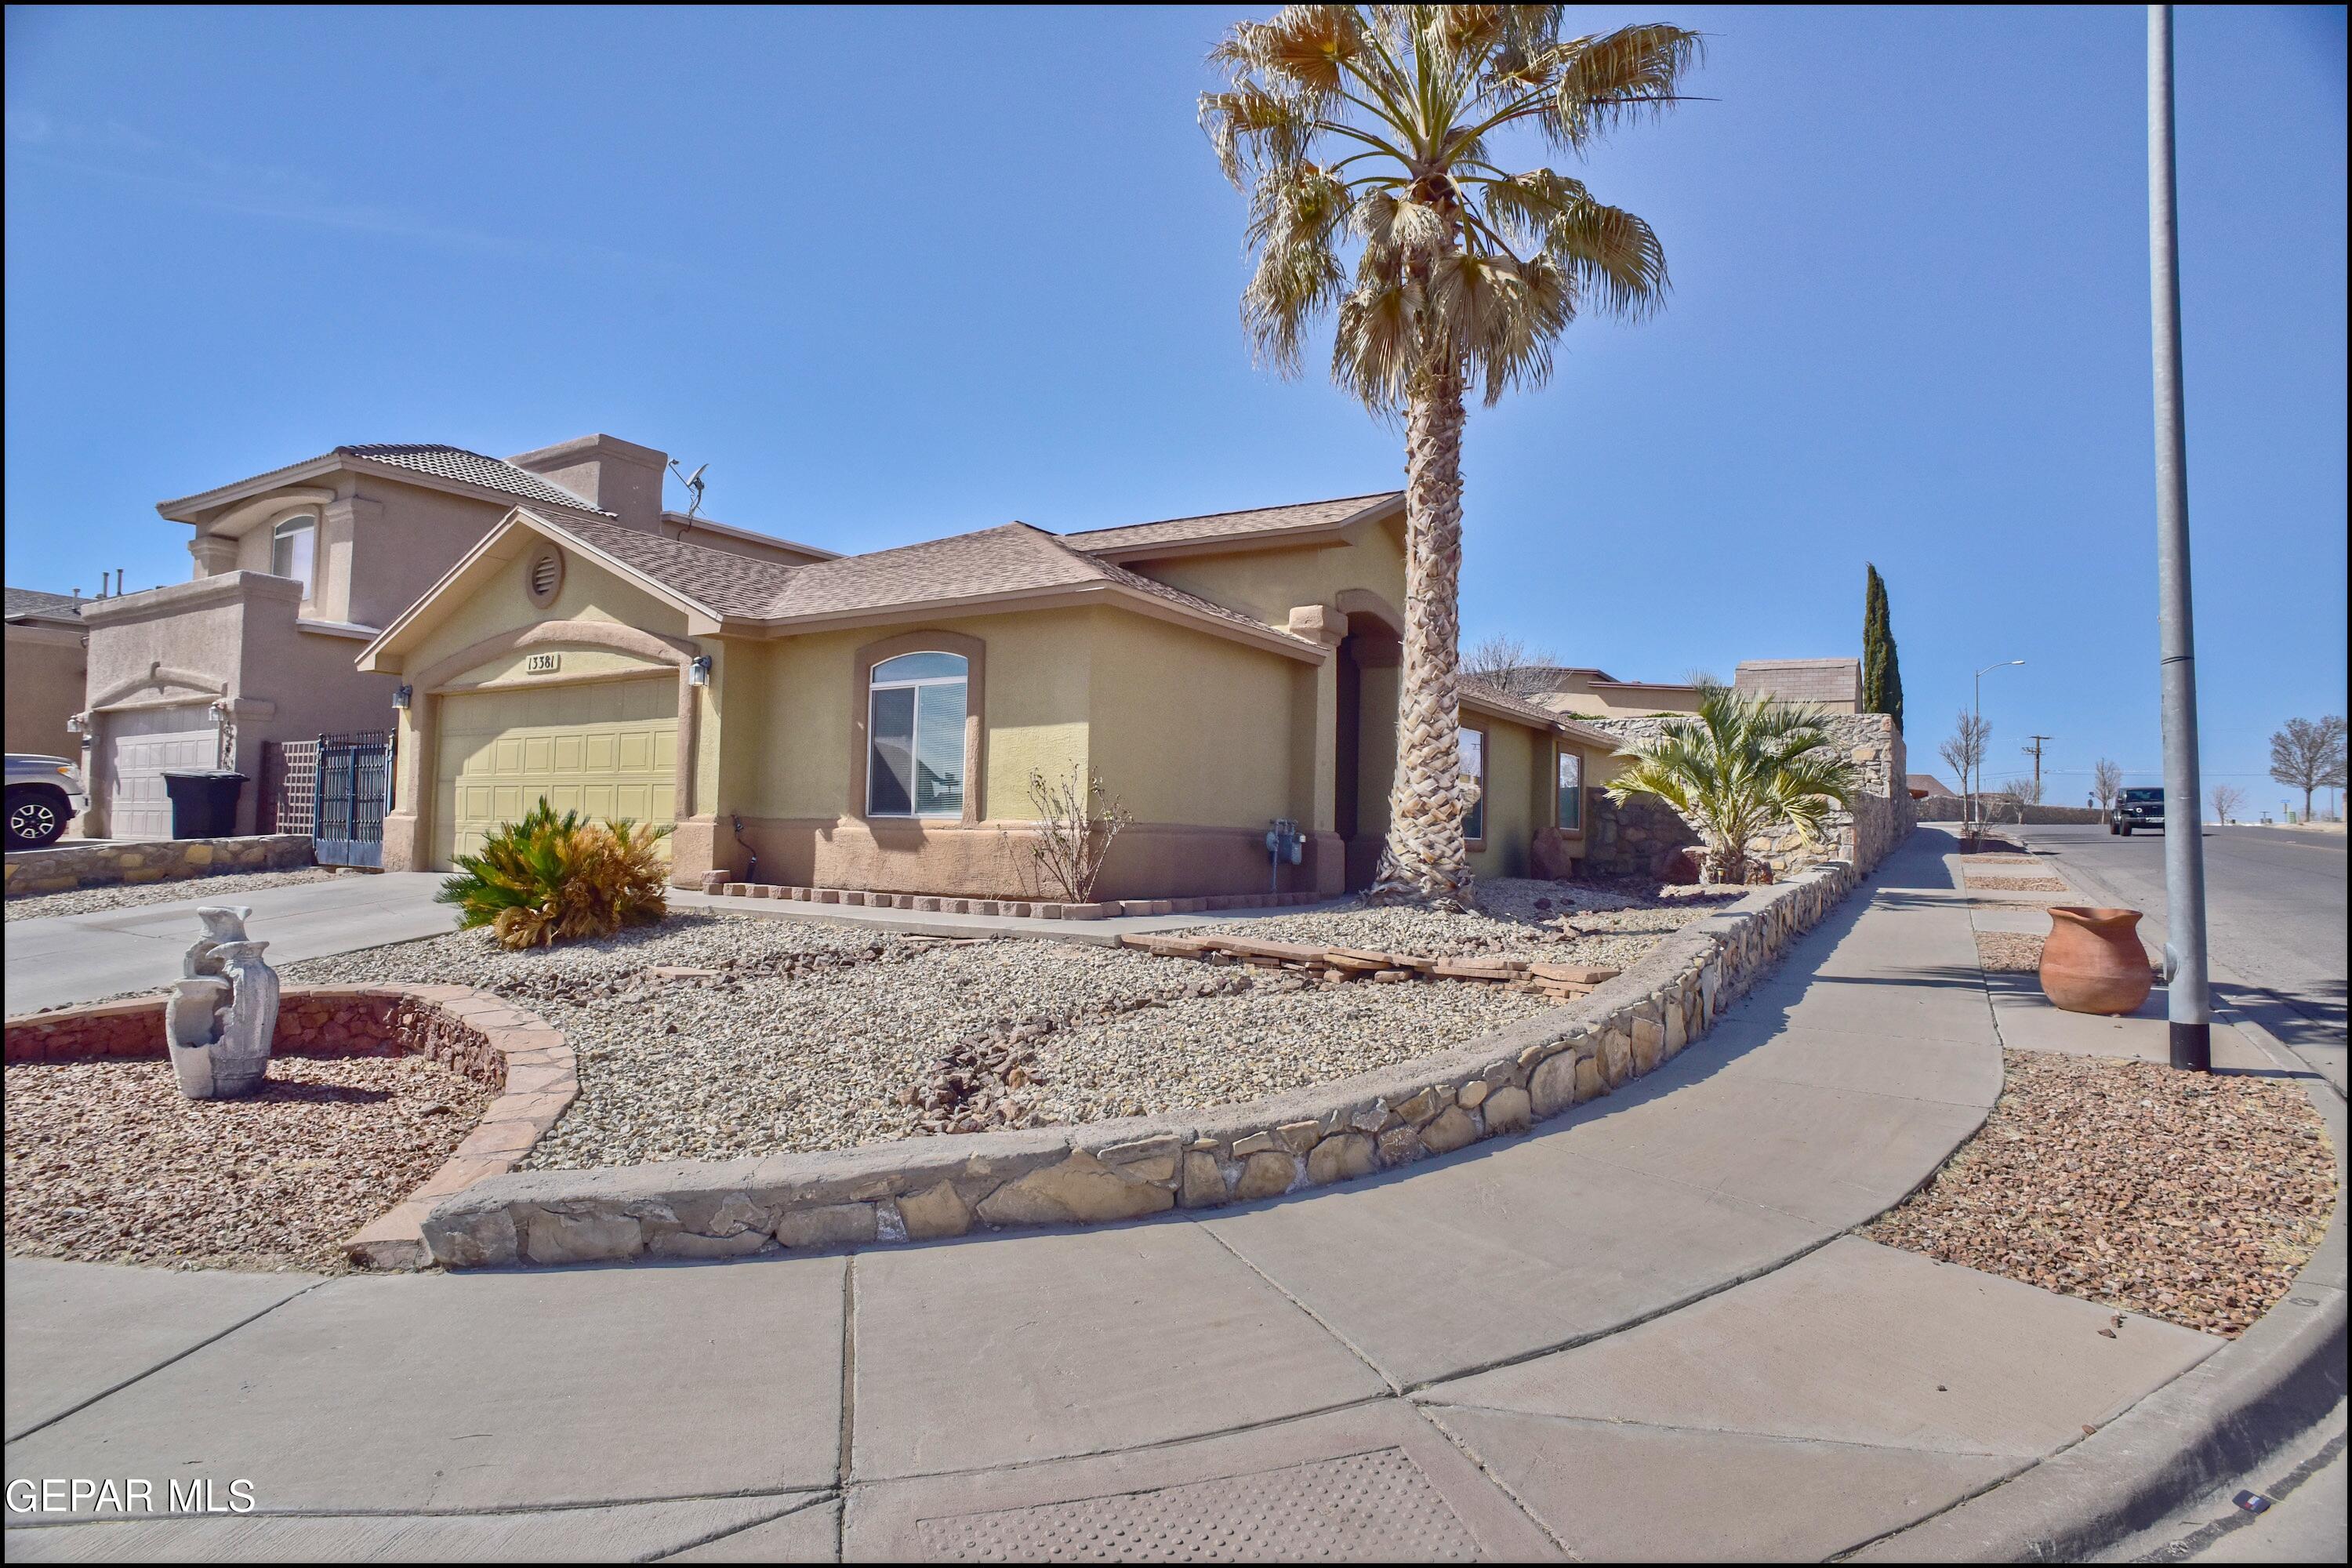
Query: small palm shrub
{"points": [[1736, 768], [550, 879]]}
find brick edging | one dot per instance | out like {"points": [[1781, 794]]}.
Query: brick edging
{"points": [[929, 1187], [518, 1053]]}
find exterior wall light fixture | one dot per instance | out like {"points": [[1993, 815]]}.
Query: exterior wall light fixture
{"points": [[402, 696], [699, 672]]}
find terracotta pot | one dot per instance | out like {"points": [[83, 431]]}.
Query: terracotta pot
{"points": [[2092, 961]]}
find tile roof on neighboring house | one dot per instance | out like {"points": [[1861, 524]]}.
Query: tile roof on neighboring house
{"points": [[1487, 699], [1800, 679], [32, 605], [1929, 784], [1228, 525], [470, 468]]}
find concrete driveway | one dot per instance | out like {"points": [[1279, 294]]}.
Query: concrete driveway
{"points": [[65, 959]]}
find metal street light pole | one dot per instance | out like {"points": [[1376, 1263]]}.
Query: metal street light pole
{"points": [[2187, 1002], [1969, 807]]}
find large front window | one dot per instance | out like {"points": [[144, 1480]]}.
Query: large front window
{"points": [[1474, 767], [1571, 791], [292, 548], [915, 763]]}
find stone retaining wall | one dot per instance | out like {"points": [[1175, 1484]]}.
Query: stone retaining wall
{"points": [[1638, 837], [923, 1188], [63, 866], [516, 1053]]}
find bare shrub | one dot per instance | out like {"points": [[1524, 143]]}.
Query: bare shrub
{"points": [[1076, 822]]}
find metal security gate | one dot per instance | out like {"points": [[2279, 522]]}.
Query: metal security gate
{"points": [[354, 791]]}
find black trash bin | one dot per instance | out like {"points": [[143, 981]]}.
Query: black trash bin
{"points": [[204, 801]]}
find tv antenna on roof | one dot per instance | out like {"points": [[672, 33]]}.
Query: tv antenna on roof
{"points": [[692, 482]]}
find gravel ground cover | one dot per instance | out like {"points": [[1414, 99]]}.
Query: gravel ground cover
{"points": [[125, 896], [1568, 923], [2017, 884], [2183, 1197], [804, 1036], [107, 1162], [2000, 860], [2019, 953]]}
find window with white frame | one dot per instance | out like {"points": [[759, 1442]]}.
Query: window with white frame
{"points": [[1571, 791], [293, 548], [1474, 767], [915, 721]]}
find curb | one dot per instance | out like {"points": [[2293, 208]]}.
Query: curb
{"points": [[2212, 1423]]}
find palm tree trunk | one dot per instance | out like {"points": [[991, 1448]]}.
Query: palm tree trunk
{"points": [[1425, 860]]}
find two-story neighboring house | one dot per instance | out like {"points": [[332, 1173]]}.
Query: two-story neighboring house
{"points": [[296, 571]]}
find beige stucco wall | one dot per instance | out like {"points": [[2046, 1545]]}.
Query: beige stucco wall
{"points": [[1621, 700], [1267, 584], [46, 669], [1190, 727]]}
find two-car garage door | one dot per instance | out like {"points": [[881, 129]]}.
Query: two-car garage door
{"points": [[603, 749]]}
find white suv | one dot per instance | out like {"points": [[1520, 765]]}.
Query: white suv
{"points": [[44, 794]]}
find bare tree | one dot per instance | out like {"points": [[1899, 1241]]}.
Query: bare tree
{"points": [[1076, 822], [1507, 664], [2227, 799], [1962, 754], [2027, 789], [2107, 783], [2308, 754]]}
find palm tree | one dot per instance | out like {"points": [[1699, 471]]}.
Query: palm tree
{"points": [[1376, 127], [1739, 767]]}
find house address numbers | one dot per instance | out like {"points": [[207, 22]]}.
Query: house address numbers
{"points": [[542, 664]]}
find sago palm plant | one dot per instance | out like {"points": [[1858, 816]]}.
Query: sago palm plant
{"points": [[1376, 129], [1738, 767], [547, 878]]}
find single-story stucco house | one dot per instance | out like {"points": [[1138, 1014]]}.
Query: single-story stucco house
{"points": [[875, 721]]}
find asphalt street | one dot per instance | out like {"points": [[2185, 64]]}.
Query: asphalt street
{"points": [[2274, 919]]}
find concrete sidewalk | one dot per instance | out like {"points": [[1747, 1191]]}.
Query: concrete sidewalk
{"points": [[61, 959], [1640, 1331]]}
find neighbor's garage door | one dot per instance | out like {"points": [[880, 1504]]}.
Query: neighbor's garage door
{"points": [[139, 744], [604, 750]]}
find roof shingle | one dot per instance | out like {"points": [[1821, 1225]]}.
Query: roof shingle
{"points": [[1228, 524], [31, 603]]}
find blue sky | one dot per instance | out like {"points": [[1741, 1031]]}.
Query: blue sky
{"points": [[897, 275]]}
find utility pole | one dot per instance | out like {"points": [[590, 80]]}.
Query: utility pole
{"points": [[2187, 1003], [2036, 749]]}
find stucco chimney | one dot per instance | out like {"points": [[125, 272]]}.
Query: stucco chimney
{"points": [[612, 475]]}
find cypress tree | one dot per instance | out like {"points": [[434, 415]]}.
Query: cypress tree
{"points": [[1882, 669]]}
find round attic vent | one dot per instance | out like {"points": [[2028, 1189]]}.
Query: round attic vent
{"points": [[546, 577]]}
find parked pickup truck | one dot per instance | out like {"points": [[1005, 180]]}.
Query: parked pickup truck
{"points": [[44, 794], [2137, 809]]}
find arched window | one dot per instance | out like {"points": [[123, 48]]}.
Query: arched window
{"points": [[293, 546], [915, 722]]}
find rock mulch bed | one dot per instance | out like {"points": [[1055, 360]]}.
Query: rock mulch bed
{"points": [[2019, 953], [2017, 884], [1565, 922], [106, 1163], [716, 1037], [130, 895], [2179, 1196]]}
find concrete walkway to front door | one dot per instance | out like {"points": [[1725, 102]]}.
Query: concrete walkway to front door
{"points": [[1643, 1330]]}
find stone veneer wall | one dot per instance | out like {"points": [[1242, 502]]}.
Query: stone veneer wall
{"points": [[1638, 837], [512, 1052], [921, 1188], [62, 867]]}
